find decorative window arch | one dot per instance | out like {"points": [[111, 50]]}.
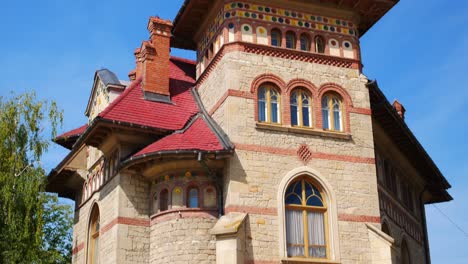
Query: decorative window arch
{"points": [[193, 200], [332, 112], [305, 42], [319, 44], [276, 36], [269, 104], [301, 108], [93, 236], [405, 253], [290, 40], [306, 219], [163, 200]]}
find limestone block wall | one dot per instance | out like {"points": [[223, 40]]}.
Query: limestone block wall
{"points": [[183, 240], [264, 157]]}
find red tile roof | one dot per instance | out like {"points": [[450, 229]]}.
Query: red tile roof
{"points": [[75, 132], [198, 136], [131, 107]]}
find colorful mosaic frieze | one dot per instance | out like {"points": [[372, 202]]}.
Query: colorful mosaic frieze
{"points": [[188, 175], [275, 15]]}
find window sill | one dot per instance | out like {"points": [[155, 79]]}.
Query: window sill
{"points": [[310, 261], [307, 131]]}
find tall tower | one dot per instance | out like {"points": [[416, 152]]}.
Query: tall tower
{"points": [[283, 79]]}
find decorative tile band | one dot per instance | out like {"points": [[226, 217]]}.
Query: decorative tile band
{"points": [[278, 16]]}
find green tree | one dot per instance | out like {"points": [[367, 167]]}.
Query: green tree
{"points": [[25, 237]]}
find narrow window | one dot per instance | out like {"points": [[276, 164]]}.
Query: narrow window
{"points": [[193, 198], [319, 44], [306, 235], [163, 200], [332, 112], [209, 197], [176, 197], [290, 40], [276, 38], [93, 236], [301, 108], [305, 42], [405, 254], [268, 104]]}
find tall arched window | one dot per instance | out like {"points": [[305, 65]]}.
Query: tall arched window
{"points": [[319, 44], [332, 112], [192, 198], [301, 108], [268, 104], [93, 236], [405, 253], [306, 210], [276, 37], [163, 200], [290, 40], [176, 197], [305, 42]]}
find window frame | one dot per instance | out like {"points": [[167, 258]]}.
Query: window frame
{"points": [[279, 40], [300, 113], [320, 49], [307, 42], [305, 208], [331, 117], [268, 111], [94, 230], [293, 40]]}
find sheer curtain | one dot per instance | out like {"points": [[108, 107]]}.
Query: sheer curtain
{"points": [[295, 233], [315, 224]]}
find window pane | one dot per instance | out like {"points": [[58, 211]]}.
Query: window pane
{"points": [[176, 197], [294, 115], [274, 112], [305, 116], [293, 199], [337, 120], [193, 198], [290, 41], [261, 111], [294, 233], [325, 119], [316, 227], [304, 43]]}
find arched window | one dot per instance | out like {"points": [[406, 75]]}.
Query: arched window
{"points": [[176, 197], [319, 44], [163, 200], [290, 40], [301, 108], [276, 37], [305, 42], [209, 197], [192, 198], [306, 210], [332, 112], [405, 253], [93, 236], [268, 104]]}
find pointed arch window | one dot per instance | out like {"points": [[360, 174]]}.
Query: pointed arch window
{"points": [[319, 44], [305, 42], [93, 236], [275, 37], [163, 200], [269, 104], [306, 217], [290, 40], [301, 108], [332, 112]]}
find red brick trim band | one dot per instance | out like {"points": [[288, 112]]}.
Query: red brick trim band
{"points": [[359, 218], [362, 111], [251, 210], [77, 249], [315, 155], [125, 221], [230, 92]]}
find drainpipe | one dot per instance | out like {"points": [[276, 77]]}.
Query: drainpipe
{"points": [[423, 217]]}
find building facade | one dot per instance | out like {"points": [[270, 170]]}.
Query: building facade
{"points": [[271, 147]]}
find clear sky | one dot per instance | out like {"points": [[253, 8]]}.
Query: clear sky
{"points": [[418, 53]]}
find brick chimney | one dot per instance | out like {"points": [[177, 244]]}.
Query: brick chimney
{"points": [[154, 58], [399, 108]]}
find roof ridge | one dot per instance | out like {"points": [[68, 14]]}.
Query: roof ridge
{"points": [[121, 97]]}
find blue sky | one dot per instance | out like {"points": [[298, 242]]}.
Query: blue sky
{"points": [[418, 53]]}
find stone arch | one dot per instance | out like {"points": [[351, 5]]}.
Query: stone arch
{"points": [[331, 203]]}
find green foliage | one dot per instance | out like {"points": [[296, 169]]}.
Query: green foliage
{"points": [[29, 218]]}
